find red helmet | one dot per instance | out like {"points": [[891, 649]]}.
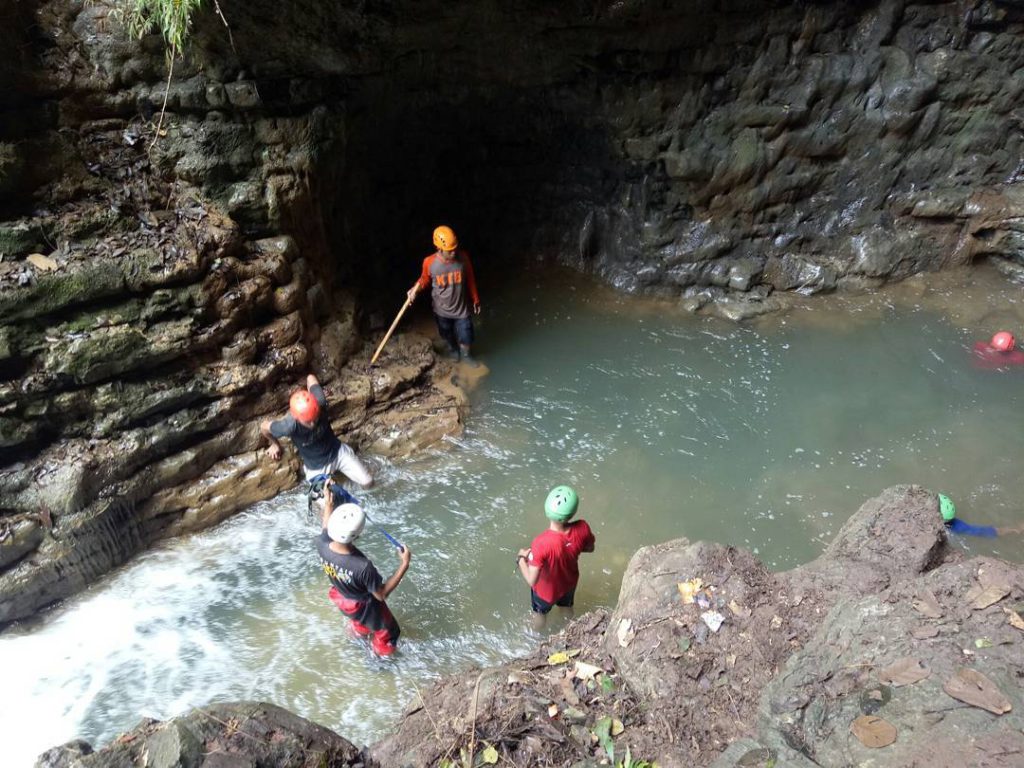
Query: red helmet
{"points": [[1003, 341], [304, 406]]}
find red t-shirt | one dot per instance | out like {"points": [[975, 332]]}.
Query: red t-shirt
{"points": [[987, 356], [556, 555]]}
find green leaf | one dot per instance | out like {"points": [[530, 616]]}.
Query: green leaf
{"points": [[607, 684], [603, 732], [982, 642], [489, 755]]}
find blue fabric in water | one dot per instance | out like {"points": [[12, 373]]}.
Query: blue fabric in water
{"points": [[966, 529]]}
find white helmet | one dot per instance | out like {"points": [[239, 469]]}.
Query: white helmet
{"points": [[346, 523]]}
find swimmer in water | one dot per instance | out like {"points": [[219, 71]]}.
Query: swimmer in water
{"points": [[955, 525], [1000, 352]]}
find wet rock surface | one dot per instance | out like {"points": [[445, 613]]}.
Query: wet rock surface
{"points": [[242, 735]]}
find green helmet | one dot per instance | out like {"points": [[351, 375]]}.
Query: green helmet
{"points": [[561, 503], [946, 507]]}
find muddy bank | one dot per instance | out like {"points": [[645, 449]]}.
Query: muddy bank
{"points": [[762, 668]]}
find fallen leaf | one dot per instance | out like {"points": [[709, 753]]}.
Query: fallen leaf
{"points": [[1015, 619], [603, 732], [988, 596], [684, 644], [972, 687], [739, 610], [923, 633], [569, 691], [982, 642], [688, 589], [617, 727], [607, 684], [560, 657], [586, 671], [489, 755], [873, 732], [42, 263], [625, 633], [713, 619], [552, 710], [906, 671], [776, 622], [927, 605], [515, 677]]}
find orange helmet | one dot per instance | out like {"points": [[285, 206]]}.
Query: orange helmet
{"points": [[445, 239], [1003, 341], [304, 407]]}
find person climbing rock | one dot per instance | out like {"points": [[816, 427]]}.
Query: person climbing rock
{"points": [[357, 588], [448, 273], [955, 525], [550, 566], [1000, 352], [309, 427]]}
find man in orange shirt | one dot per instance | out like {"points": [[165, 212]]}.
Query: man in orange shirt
{"points": [[449, 274]]}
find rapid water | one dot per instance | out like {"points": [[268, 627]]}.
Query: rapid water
{"points": [[765, 435]]}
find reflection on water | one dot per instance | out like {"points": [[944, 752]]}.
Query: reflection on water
{"points": [[767, 436]]}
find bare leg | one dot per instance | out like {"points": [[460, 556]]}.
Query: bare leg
{"points": [[568, 611], [537, 620]]}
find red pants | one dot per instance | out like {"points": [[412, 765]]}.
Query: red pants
{"points": [[383, 629]]}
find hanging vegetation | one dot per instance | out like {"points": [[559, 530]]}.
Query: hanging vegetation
{"points": [[172, 19]]}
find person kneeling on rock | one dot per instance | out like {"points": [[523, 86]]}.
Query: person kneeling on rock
{"points": [[309, 427], [357, 588], [955, 525], [550, 566]]}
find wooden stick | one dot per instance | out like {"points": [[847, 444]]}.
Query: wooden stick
{"points": [[391, 330]]}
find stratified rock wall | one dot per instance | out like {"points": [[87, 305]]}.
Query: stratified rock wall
{"points": [[163, 290]]}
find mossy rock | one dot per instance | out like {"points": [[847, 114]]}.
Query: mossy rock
{"points": [[54, 292], [19, 237], [11, 166], [112, 351], [57, 291]]}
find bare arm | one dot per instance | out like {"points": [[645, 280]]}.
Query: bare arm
{"points": [[328, 504], [389, 586], [275, 447], [530, 573]]}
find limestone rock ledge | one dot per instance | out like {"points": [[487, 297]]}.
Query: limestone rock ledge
{"points": [[243, 735], [798, 657]]}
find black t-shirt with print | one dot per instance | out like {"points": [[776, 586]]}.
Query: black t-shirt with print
{"points": [[316, 446], [353, 574]]}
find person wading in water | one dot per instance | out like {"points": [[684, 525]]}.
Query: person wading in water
{"points": [[357, 588], [550, 565], [448, 273]]}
